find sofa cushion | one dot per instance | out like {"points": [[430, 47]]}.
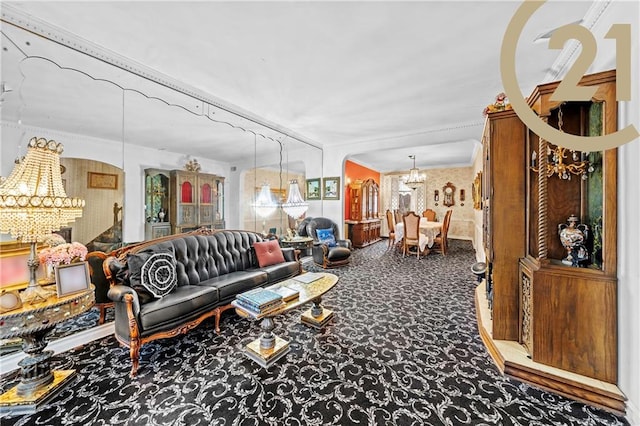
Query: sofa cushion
{"points": [[268, 253], [325, 236], [158, 274], [181, 302], [229, 285], [134, 264]]}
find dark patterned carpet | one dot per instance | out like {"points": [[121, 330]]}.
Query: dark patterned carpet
{"points": [[403, 350]]}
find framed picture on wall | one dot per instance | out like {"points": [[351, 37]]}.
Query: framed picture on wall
{"points": [[331, 188], [102, 180], [313, 189]]}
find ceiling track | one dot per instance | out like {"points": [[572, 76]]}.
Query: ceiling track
{"points": [[38, 27]]}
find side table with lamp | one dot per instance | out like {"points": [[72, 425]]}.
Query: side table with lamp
{"points": [[33, 204]]}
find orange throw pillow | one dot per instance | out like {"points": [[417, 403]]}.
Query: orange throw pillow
{"points": [[268, 253]]}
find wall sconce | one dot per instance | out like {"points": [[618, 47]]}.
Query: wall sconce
{"points": [[436, 196], [462, 197]]}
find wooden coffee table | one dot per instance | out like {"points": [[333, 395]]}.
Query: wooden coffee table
{"points": [[269, 348]]}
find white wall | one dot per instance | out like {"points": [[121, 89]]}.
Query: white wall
{"points": [[628, 206]]}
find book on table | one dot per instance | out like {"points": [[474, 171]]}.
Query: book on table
{"points": [[255, 312], [287, 293], [260, 298]]}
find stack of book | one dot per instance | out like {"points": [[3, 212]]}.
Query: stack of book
{"points": [[259, 302]]}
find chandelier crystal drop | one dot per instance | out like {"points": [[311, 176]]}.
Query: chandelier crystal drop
{"points": [[295, 206]]}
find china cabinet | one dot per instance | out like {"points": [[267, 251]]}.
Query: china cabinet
{"points": [[363, 226], [568, 277], [549, 231], [157, 219], [196, 200]]}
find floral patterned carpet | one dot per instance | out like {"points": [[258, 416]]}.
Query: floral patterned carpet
{"points": [[403, 349]]}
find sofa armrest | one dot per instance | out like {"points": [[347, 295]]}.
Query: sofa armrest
{"points": [[345, 243], [290, 254], [118, 294]]}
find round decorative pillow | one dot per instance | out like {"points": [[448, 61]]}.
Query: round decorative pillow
{"points": [[158, 274]]}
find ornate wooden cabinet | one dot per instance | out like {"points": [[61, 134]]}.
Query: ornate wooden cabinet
{"points": [[568, 314], [504, 217], [157, 219], [363, 226], [196, 200], [365, 200]]}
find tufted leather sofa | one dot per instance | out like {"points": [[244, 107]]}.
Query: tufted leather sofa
{"points": [[212, 267]]}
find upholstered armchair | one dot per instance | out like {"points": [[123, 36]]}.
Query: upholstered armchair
{"points": [[328, 249]]}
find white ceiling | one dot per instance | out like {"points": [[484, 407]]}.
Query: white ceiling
{"points": [[382, 80]]}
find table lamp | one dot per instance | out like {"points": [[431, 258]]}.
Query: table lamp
{"points": [[33, 204]]}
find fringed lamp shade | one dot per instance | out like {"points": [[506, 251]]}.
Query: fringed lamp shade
{"points": [[295, 205], [33, 202]]}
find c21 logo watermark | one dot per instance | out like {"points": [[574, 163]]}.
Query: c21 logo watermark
{"points": [[568, 90]]}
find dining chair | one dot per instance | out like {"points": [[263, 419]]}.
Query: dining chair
{"points": [[397, 216], [440, 243], [430, 215], [412, 234], [392, 229]]}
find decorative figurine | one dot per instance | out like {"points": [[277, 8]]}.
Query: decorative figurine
{"points": [[573, 236]]}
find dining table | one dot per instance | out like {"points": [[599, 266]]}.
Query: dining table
{"points": [[428, 228]]}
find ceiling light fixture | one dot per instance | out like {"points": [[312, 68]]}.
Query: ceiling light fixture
{"points": [[415, 179]]}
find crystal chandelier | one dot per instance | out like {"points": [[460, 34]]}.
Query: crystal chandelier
{"points": [[265, 203], [580, 165], [295, 206], [415, 179], [556, 164], [33, 203]]}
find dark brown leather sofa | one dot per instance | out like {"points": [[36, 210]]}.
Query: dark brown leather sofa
{"points": [[212, 267]]}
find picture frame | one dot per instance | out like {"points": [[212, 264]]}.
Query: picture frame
{"points": [[102, 180], [331, 188], [477, 191], [72, 278], [313, 189]]}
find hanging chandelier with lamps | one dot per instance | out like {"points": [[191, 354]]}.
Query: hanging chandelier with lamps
{"points": [[415, 179], [33, 204], [579, 165]]}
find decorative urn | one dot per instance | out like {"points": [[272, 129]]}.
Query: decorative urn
{"points": [[573, 236]]}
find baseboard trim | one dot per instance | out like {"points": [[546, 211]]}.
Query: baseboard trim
{"points": [[9, 362], [511, 359]]}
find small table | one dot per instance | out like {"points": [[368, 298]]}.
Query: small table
{"points": [[32, 322], [269, 348], [300, 243]]}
